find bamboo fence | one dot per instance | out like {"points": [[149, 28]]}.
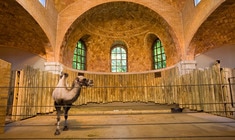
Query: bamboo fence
{"points": [[32, 93], [205, 90], [5, 70], [200, 90]]}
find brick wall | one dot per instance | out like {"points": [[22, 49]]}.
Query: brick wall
{"points": [[127, 22]]}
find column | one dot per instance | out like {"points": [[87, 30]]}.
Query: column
{"points": [[186, 66], [54, 67]]}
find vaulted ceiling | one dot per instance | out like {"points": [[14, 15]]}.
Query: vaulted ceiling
{"points": [[125, 21], [217, 30], [18, 29]]}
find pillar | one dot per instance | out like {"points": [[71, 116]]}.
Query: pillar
{"points": [[54, 67], [186, 66]]}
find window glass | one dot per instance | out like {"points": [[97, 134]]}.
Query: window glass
{"points": [[196, 2], [118, 59], [79, 57], [159, 57], [43, 2]]}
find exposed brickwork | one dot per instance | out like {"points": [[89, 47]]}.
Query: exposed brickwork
{"points": [[20, 30], [217, 30], [171, 24], [127, 22]]}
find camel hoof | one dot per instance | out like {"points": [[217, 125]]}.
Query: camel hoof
{"points": [[57, 132], [66, 128]]}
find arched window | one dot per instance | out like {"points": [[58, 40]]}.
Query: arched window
{"points": [[79, 57], [118, 59], [159, 57]]}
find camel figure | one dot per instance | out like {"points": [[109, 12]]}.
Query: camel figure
{"points": [[64, 96]]}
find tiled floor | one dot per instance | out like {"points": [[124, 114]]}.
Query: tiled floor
{"points": [[125, 121]]}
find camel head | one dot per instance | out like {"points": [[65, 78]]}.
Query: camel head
{"points": [[83, 81]]}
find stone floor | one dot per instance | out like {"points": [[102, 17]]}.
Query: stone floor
{"points": [[124, 122]]}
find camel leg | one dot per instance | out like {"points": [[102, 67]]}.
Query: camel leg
{"points": [[58, 110], [66, 110]]}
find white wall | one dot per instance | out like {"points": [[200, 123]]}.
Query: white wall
{"points": [[226, 55], [19, 58]]}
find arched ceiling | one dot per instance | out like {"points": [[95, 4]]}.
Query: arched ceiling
{"points": [[217, 30], [168, 10], [19, 30], [121, 20]]}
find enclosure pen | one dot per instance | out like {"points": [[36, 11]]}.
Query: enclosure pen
{"points": [[205, 90]]}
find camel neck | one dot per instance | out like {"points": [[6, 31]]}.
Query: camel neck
{"points": [[75, 91]]}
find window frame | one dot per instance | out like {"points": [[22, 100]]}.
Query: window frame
{"points": [[79, 62], [117, 66], [159, 56]]}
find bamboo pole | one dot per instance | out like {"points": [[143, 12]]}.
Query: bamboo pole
{"points": [[218, 90], [197, 95], [201, 89], [44, 93], [20, 97], [213, 92], [16, 95], [225, 74], [39, 95]]}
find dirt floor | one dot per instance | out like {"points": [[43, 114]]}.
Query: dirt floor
{"points": [[125, 121]]}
